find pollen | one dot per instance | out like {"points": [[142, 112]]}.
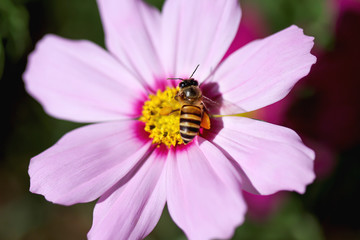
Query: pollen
{"points": [[161, 114]]}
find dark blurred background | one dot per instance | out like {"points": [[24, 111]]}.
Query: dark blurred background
{"points": [[324, 108]]}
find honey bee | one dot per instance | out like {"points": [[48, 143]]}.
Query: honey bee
{"points": [[193, 113]]}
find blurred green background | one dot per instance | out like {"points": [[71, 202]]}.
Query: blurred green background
{"points": [[324, 110]]}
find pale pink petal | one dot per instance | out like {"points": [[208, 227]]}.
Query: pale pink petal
{"points": [[272, 157], [132, 208], [132, 34], [204, 192], [79, 81], [197, 32], [264, 71], [86, 162]]}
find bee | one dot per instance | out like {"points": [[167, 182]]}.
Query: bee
{"points": [[193, 112]]}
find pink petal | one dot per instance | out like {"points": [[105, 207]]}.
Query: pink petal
{"points": [[79, 81], [132, 34], [132, 208], [272, 157], [197, 32], [264, 71], [204, 194], [86, 162]]}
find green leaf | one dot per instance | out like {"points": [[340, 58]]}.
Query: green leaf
{"points": [[14, 28], [76, 19], [156, 3], [314, 16]]}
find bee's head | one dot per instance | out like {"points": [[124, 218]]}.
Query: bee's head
{"points": [[188, 82], [189, 92]]}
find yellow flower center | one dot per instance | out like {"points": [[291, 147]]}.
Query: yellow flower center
{"points": [[161, 113]]}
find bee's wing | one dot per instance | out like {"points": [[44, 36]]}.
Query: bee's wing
{"points": [[221, 106]]}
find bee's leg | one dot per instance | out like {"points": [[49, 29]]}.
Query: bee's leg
{"points": [[209, 100], [167, 111], [204, 106], [174, 111], [205, 121]]}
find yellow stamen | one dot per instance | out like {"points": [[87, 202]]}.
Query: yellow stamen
{"points": [[161, 113]]}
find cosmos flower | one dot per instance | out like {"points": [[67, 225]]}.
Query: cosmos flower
{"points": [[132, 156]]}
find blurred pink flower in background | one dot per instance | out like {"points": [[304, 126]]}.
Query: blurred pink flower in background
{"points": [[328, 119], [344, 5], [252, 27], [262, 207], [332, 106], [115, 159]]}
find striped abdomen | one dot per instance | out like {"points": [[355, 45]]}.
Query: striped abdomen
{"points": [[190, 119]]}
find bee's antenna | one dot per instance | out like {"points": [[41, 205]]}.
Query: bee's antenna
{"points": [[194, 70], [175, 79]]}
